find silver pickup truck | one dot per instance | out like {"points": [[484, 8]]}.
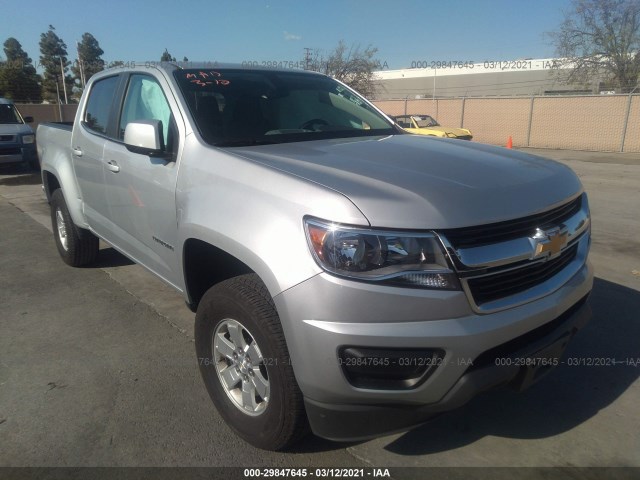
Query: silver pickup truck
{"points": [[346, 276]]}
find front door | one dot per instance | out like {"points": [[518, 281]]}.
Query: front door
{"points": [[140, 188]]}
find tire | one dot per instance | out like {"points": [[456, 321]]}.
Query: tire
{"points": [[239, 312], [76, 246]]}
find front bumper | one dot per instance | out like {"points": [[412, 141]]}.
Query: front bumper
{"points": [[360, 422], [325, 313], [16, 153]]}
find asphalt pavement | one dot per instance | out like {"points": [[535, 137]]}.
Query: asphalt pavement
{"points": [[97, 365]]}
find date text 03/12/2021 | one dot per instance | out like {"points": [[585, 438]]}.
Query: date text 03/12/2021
{"points": [[317, 472]]}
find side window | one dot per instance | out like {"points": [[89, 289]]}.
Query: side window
{"points": [[146, 101], [96, 115]]}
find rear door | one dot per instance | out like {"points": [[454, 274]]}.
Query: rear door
{"points": [[140, 189], [87, 144]]}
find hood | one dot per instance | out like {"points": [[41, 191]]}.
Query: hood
{"points": [[15, 129], [416, 182]]}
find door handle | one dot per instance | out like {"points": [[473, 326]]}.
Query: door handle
{"points": [[77, 151], [113, 166]]}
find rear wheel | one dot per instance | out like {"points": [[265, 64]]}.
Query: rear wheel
{"points": [[245, 364], [76, 246]]}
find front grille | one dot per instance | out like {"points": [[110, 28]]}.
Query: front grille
{"points": [[500, 285], [464, 137], [503, 231], [10, 151], [6, 138]]}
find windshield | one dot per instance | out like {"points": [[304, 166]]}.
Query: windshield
{"points": [[9, 114], [425, 121], [234, 107]]}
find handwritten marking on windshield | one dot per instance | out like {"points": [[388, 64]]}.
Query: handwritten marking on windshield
{"points": [[204, 79]]}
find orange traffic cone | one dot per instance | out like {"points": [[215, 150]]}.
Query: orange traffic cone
{"points": [[510, 142]]}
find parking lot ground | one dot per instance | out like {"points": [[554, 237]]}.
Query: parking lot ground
{"points": [[92, 376], [97, 366]]}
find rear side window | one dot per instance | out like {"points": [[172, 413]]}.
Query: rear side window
{"points": [[96, 115]]}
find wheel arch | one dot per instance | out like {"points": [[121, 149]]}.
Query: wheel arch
{"points": [[205, 265], [63, 178], [50, 183]]}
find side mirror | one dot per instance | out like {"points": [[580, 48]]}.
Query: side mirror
{"points": [[144, 137], [28, 119]]}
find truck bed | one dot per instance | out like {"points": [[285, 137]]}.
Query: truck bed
{"points": [[53, 143], [61, 125]]}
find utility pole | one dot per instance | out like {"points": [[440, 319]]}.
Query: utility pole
{"points": [[80, 66], [307, 58], [64, 84], [59, 101]]}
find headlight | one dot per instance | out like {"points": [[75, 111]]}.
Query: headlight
{"points": [[392, 258], [28, 139]]}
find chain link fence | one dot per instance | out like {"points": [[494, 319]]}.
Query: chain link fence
{"points": [[604, 123]]}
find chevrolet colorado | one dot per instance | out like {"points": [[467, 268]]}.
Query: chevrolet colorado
{"points": [[346, 276]]}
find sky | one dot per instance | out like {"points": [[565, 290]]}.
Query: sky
{"points": [[404, 31]]}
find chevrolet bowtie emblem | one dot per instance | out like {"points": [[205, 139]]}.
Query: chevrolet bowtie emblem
{"points": [[549, 243]]}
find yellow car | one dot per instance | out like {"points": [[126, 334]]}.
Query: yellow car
{"points": [[427, 125]]}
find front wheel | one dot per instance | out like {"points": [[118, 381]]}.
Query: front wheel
{"points": [[76, 246], [245, 364]]}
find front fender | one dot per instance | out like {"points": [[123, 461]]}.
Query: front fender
{"points": [[255, 213]]}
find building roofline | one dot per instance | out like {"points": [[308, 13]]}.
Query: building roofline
{"points": [[424, 69]]}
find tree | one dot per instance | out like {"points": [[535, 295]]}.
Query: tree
{"points": [[351, 65], [166, 57], [18, 78], [53, 58], [601, 37], [89, 60]]}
